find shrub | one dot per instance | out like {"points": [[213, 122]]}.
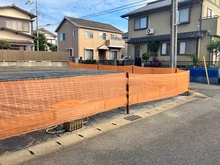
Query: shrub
{"points": [[156, 62], [5, 44], [195, 59], [89, 61], [146, 56]]}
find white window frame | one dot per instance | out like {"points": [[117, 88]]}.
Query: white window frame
{"points": [[74, 32], [112, 56], [102, 36], [17, 25], [91, 49], [164, 49], [71, 53], [89, 33], [62, 36], [182, 48]]}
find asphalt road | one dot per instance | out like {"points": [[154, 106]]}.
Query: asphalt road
{"points": [[187, 134]]}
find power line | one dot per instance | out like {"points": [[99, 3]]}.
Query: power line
{"points": [[131, 5]]}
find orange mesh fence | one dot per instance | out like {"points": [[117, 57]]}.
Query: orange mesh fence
{"points": [[26, 106], [130, 69], [147, 87], [151, 70], [86, 66], [116, 68]]}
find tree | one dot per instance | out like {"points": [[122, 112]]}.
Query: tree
{"points": [[153, 46], [213, 46], [52, 47], [5, 44], [146, 56], [42, 41], [195, 59]]}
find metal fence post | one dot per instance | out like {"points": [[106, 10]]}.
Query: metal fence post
{"points": [[127, 90]]}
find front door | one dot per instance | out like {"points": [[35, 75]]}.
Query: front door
{"points": [[102, 56], [137, 57]]}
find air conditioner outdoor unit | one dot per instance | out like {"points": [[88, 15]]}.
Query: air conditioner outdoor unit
{"points": [[150, 31]]}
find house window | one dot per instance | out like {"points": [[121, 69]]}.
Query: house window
{"points": [[74, 33], [17, 25], [165, 48], [140, 23], [183, 15], [182, 48], [70, 52], [187, 47], [102, 36], [88, 34], [114, 37], [62, 36], [210, 13], [113, 55], [88, 54]]}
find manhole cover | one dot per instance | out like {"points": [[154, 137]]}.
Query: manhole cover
{"points": [[132, 117]]}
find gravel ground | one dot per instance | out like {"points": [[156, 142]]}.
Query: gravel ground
{"points": [[28, 73]]}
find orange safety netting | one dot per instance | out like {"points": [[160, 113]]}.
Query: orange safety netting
{"points": [[130, 69], [26, 106], [87, 66], [31, 105], [147, 87]]}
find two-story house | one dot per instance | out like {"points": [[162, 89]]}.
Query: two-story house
{"points": [[198, 23], [50, 37], [87, 39], [16, 27]]}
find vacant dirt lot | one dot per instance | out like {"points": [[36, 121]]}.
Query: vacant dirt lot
{"points": [[27, 73]]}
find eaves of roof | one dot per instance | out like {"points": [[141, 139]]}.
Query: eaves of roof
{"points": [[166, 37], [100, 28], [17, 32], [19, 9], [155, 6], [48, 32], [4, 16]]}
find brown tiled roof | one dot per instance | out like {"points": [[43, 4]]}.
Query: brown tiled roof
{"points": [[93, 24], [154, 6], [166, 37]]}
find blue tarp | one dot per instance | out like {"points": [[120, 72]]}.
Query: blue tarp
{"points": [[199, 75]]}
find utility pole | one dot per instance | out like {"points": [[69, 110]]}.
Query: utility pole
{"points": [[173, 32], [37, 26]]}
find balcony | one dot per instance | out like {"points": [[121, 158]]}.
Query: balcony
{"points": [[115, 43], [212, 25]]}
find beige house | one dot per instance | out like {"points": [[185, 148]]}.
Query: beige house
{"points": [[50, 37], [89, 39], [16, 27], [198, 23]]}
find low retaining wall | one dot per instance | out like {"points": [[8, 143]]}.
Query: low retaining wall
{"points": [[35, 64], [199, 75]]}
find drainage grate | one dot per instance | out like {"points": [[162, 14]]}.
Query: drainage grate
{"points": [[132, 117]]}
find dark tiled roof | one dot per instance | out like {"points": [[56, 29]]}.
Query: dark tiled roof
{"points": [[125, 35], [93, 24], [154, 6], [166, 37]]}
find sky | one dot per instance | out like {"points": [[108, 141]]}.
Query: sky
{"points": [[52, 12]]}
